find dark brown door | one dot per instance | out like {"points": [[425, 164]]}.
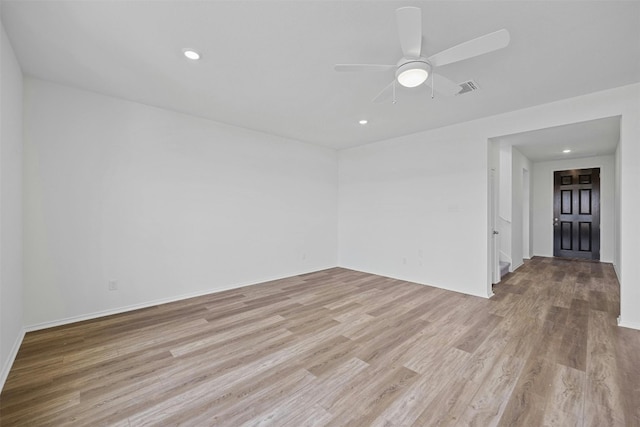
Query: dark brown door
{"points": [[576, 213]]}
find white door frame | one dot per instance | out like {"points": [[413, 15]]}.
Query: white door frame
{"points": [[493, 221]]}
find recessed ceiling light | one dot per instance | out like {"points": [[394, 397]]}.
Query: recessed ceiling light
{"points": [[191, 54], [566, 151], [363, 122]]}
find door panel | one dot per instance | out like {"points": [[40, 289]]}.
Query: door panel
{"points": [[576, 224]]}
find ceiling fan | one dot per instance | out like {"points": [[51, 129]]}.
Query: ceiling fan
{"points": [[414, 69]]}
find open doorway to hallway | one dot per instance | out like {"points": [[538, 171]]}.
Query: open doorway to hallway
{"points": [[525, 164]]}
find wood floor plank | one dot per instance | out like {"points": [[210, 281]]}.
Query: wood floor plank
{"points": [[565, 403], [602, 387], [377, 393], [628, 349], [488, 404], [527, 401], [340, 347], [418, 398], [470, 341]]}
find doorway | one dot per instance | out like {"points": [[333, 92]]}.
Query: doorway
{"points": [[576, 213]]}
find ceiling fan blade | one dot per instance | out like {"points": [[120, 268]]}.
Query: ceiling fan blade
{"points": [[442, 85], [475, 47], [364, 67], [409, 21], [385, 94]]}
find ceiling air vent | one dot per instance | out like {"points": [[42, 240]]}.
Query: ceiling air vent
{"points": [[468, 86]]}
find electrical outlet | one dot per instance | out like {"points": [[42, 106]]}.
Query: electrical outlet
{"points": [[113, 285]]}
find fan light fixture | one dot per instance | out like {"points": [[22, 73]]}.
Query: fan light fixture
{"points": [[566, 151], [413, 73], [414, 68], [363, 121]]}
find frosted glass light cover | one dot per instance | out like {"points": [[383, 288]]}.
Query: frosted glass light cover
{"points": [[413, 77]]}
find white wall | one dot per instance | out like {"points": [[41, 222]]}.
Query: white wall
{"points": [[543, 203], [11, 331], [409, 208], [166, 204], [628, 265], [617, 235], [423, 197]]}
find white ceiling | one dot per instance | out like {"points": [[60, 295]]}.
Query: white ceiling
{"points": [[268, 65], [586, 139]]}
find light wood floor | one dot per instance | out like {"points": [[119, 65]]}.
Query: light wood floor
{"points": [[339, 348]]}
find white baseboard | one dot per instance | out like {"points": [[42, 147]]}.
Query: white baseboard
{"points": [[630, 325], [147, 304], [416, 280], [12, 357], [119, 310]]}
